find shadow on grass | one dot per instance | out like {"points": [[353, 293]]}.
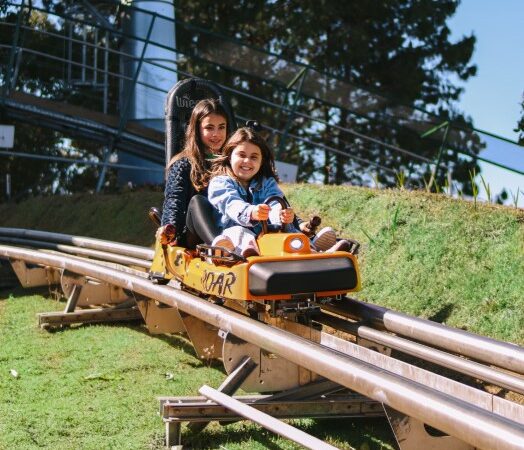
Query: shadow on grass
{"points": [[173, 340], [17, 290], [443, 313], [219, 438], [48, 292], [373, 434]]}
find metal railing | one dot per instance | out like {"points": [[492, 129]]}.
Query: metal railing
{"points": [[292, 88]]}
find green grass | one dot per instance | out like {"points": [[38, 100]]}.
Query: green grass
{"points": [[121, 218], [96, 387], [89, 386]]}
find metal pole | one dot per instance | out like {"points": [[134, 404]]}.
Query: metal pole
{"points": [[455, 417], [14, 49], [84, 54], [95, 59], [102, 176], [300, 76], [133, 251], [480, 348], [16, 69], [86, 252], [265, 420], [426, 353], [70, 54], [8, 186], [106, 76]]}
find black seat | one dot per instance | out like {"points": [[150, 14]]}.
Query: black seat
{"points": [[201, 220], [180, 102]]}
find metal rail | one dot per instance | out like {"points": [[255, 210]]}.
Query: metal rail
{"points": [[480, 348], [265, 420], [457, 363], [133, 251], [458, 418], [97, 254]]}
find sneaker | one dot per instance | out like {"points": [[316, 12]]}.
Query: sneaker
{"points": [[325, 239], [250, 250], [355, 245], [224, 242], [340, 246]]}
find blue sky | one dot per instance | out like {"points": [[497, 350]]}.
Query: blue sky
{"points": [[493, 97]]}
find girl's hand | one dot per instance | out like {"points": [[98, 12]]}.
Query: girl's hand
{"points": [[166, 234], [260, 212], [310, 227], [287, 215]]}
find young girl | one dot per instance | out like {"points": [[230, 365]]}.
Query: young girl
{"points": [[188, 171], [243, 177]]}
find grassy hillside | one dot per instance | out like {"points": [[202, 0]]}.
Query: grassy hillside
{"points": [[95, 387], [424, 254]]}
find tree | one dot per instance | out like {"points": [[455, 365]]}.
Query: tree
{"points": [[520, 125], [374, 70], [396, 53]]}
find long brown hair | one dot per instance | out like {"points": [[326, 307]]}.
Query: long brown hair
{"points": [[194, 150], [222, 164]]}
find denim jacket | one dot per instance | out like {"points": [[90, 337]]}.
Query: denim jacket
{"points": [[230, 200]]}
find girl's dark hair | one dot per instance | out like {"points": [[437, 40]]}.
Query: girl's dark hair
{"points": [[194, 150], [222, 164]]}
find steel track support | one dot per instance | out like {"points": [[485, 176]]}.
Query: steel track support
{"points": [[203, 336], [307, 401], [31, 275], [54, 320], [91, 292], [265, 420], [86, 293], [230, 385], [412, 434], [160, 318]]}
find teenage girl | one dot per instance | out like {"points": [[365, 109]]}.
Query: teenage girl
{"points": [[243, 177], [188, 172]]}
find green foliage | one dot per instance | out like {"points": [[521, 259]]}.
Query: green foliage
{"points": [[487, 188], [515, 198], [46, 78], [121, 218], [474, 187], [401, 179], [378, 66]]}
